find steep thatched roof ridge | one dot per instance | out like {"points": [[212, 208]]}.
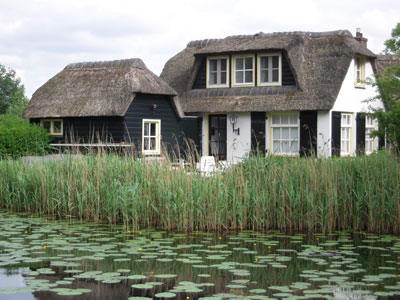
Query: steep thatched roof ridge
{"points": [[97, 89], [319, 62], [384, 61]]}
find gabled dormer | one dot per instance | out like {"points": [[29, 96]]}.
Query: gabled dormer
{"points": [[249, 69]]}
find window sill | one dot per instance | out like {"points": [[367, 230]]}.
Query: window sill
{"points": [[151, 153], [359, 86], [269, 84], [243, 84], [217, 86]]}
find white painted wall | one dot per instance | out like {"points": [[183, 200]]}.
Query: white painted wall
{"points": [[324, 134], [352, 99], [238, 146], [204, 137]]}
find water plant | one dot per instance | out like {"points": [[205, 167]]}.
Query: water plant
{"points": [[319, 195]]}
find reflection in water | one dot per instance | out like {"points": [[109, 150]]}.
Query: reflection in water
{"points": [[347, 293], [12, 278], [89, 261]]}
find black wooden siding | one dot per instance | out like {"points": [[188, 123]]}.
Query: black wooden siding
{"points": [[287, 74], [201, 79], [90, 130], [157, 107], [128, 129]]}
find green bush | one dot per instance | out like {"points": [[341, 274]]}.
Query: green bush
{"points": [[18, 138]]}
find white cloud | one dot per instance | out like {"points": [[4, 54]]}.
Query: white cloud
{"points": [[38, 38]]}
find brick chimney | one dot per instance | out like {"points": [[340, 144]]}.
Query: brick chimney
{"points": [[359, 37]]}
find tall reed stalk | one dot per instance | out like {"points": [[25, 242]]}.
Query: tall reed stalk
{"points": [[307, 194]]}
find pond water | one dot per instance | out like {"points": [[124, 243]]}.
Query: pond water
{"points": [[43, 259]]}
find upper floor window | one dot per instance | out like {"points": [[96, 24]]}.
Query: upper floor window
{"points": [[359, 71], [270, 69], [53, 126], [243, 70], [217, 72]]}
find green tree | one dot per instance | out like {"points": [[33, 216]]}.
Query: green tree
{"points": [[12, 92], [388, 84], [393, 44]]}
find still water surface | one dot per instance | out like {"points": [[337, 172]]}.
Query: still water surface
{"points": [[43, 259]]}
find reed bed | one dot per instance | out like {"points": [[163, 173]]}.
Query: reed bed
{"points": [[290, 194]]}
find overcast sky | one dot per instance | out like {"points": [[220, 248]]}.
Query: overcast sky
{"points": [[38, 38]]}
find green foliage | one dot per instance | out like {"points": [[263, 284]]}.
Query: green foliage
{"points": [[12, 93], [289, 194], [393, 44], [388, 85], [389, 119], [18, 138]]}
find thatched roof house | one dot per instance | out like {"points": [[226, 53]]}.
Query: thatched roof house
{"points": [[111, 101], [314, 78], [318, 60], [97, 89], [385, 61]]}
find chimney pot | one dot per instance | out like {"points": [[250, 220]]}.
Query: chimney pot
{"points": [[359, 37]]}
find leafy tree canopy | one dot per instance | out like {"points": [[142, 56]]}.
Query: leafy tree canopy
{"points": [[388, 84], [12, 92], [393, 44]]}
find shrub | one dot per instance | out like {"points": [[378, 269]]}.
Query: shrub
{"points": [[18, 137]]}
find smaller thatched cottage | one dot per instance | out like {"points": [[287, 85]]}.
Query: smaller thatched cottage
{"points": [[111, 102]]}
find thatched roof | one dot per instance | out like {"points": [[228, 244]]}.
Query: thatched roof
{"points": [[97, 89], [319, 62], [384, 61]]}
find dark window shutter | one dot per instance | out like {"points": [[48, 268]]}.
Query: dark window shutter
{"points": [[258, 132], [381, 143], [336, 124], [308, 133], [360, 143]]}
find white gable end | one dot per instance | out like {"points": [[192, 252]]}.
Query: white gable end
{"points": [[351, 98]]}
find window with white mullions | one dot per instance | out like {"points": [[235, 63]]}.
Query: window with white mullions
{"points": [[217, 72], [359, 71], [151, 137], [269, 66], [244, 70], [285, 134], [346, 134]]}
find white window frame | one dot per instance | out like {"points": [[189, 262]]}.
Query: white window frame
{"points": [[157, 149], [269, 83], [52, 121], [371, 143], [234, 57], [281, 126], [359, 71], [219, 58], [346, 125]]}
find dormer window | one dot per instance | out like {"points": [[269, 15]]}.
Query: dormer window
{"points": [[243, 70], [217, 71], [359, 71], [270, 69]]}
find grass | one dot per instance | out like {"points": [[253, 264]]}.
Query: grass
{"points": [[290, 194]]}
